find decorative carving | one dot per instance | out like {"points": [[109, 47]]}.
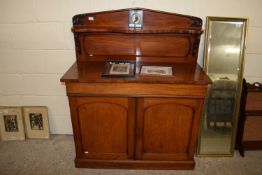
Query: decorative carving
{"points": [[79, 19], [195, 46], [256, 86], [77, 44], [197, 22]]}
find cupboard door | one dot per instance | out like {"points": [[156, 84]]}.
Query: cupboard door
{"points": [[167, 128], [103, 127]]}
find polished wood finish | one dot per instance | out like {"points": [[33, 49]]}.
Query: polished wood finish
{"points": [[144, 122], [139, 45], [153, 21], [160, 123], [135, 164], [135, 90], [105, 127], [90, 72], [249, 131], [163, 34]]}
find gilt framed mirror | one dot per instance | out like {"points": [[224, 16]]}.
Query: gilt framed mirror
{"points": [[223, 62]]}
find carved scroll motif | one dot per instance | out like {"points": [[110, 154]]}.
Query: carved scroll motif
{"points": [[77, 44]]}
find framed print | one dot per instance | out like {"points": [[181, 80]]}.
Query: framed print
{"points": [[156, 70], [119, 69], [135, 18], [11, 123], [36, 122]]}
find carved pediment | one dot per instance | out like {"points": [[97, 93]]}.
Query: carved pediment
{"points": [[153, 21]]}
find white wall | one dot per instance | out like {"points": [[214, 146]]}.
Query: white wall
{"points": [[37, 46]]}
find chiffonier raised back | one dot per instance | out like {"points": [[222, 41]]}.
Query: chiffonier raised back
{"points": [[171, 36], [148, 122]]}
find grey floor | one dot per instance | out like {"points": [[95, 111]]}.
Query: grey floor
{"points": [[55, 156]]}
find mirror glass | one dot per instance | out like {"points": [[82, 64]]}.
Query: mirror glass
{"points": [[224, 50]]}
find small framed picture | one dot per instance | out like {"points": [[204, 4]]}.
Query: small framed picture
{"points": [[11, 123], [36, 122], [119, 69], [135, 18], [156, 70]]}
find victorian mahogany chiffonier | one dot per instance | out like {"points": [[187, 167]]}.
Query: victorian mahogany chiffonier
{"points": [[140, 121]]}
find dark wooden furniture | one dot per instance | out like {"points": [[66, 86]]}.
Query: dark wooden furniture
{"points": [[249, 134], [146, 122]]}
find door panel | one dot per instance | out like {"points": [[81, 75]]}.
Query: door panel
{"points": [[106, 127], [164, 123], [102, 124], [165, 127]]}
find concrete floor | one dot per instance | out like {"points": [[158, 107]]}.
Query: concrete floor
{"points": [[56, 156]]}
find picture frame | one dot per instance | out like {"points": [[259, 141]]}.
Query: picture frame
{"points": [[119, 69], [36, 122], [156, 70], [11, 123], [135, 19]]}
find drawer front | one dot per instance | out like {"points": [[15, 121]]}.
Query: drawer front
{"points": [[136, 90]]}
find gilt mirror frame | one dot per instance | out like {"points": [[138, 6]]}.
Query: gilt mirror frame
{"points": [[239, 76]]}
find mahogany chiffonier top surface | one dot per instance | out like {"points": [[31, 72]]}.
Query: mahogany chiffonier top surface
{"points": [[90, 72]]}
